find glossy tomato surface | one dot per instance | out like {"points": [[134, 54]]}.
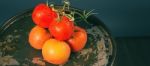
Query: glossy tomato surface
{"points": [[38, 36], [55, 51], [43, 15], [62, 29], [79, 39]]}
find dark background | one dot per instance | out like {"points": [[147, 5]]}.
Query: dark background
{"points": [[122, 17], [127, 20]]}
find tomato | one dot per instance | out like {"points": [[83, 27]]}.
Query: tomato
{"points": [[55, 51], [78, 40], [62, 29], [38, 36], [43, 15]]}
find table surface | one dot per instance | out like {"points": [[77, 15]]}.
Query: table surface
{"points": [[133, 51]]}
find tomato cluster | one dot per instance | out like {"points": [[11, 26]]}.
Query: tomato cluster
{"points": [[56, 34]]}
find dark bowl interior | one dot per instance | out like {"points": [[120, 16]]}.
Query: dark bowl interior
{"points": [[100, 49]]}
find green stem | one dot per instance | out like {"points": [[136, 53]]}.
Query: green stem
{"points": [[66, 4], [83, 17], [47, 2]]}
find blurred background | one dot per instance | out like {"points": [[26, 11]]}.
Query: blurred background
{"points": [[127, 20]]}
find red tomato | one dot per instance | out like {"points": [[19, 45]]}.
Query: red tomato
{"points": [[38, 36], [79, 39], [62, 29], [43, 15], [55, 51]]}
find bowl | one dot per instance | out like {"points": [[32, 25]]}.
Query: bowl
{"points": [[100, 49]]}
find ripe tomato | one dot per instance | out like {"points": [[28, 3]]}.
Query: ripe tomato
{"points": [[62, 29], [55, 51], [79, 39], [38, 36], [43, 15]]}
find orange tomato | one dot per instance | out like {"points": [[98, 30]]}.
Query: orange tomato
{"points": [[38, 36], [78, 40], [56, 51]]}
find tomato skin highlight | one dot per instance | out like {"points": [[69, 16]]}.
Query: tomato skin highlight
{"points": [[78, 40], [43, 15], [55, 51], [63, 29], [38, 36]]}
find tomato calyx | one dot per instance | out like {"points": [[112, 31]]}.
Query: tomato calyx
{"points": [[62, 12]]}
